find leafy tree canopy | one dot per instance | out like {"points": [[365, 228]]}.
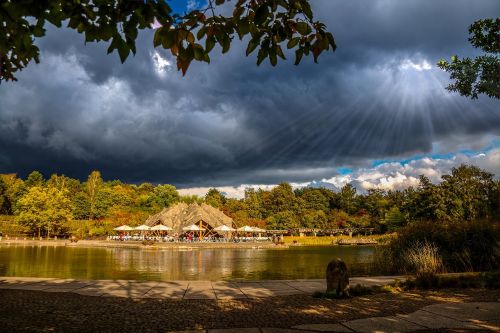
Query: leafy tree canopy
{"points": [[270, 25], [480, 75], [44, 208]]}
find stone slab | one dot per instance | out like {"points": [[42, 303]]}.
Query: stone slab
{"points": [[483, 311], [382, 324], [323, 328], [283, 330], [434, 321], [235, 330], [59, 290], [230, 295], [276, 286], [491, 325], [30, 286], [165, 293], [88, 292]]}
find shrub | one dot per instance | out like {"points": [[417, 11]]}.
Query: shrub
{"points": [[465, 246], [455, 280]]}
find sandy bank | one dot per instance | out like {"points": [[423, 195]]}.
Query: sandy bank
{"points": [[134, 244]]}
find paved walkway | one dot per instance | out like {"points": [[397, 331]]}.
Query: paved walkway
{"points": [[182, 289], [459, 316]]}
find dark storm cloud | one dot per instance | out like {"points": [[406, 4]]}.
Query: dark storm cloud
{"points": [[231, 122]]}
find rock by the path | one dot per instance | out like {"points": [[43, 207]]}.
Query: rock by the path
{"points": [[337, 277]]}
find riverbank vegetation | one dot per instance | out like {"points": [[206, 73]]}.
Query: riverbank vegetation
{"points": [[62, 205], [448, 226]]}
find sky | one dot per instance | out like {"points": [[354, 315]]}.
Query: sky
{"points": [[375, 113]]}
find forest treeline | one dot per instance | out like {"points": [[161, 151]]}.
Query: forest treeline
{"points": [[62, 205]]}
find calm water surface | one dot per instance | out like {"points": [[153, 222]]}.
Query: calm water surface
{"points": [[179, 264]]}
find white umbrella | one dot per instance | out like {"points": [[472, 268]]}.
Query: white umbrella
{"points": [[192, 227], [161, 227], [256, 229], [142, 227], [224, 228], [245, 229], [123, 228]]}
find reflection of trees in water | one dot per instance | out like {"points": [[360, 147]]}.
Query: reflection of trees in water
{"points": [[176, 264]]}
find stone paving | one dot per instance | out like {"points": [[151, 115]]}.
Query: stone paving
{"points": [[463, 316], [181, 289]]}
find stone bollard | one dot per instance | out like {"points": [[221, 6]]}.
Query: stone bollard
{"points": [[337, 278]]}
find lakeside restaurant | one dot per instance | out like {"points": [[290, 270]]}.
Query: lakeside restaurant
{"points": [[193, 222]]}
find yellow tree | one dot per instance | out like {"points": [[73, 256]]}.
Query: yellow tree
{"points": [[94, 183], [44, 209]]}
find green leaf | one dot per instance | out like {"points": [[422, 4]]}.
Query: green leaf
{"points": [[306, 8], [262, 55], [279, 52], [331, 40], [168, 39], [293, 42], [201, 33], [209, 44], [252, 44], [114, 44], [261, 14], [199, 54], [38, 31], [303, 28], [157, 38], [238, 11], [298, 56], [123, 51], [226, 43], [272, 57]]}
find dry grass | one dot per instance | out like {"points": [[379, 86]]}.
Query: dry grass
{"points": [[324, 240], [423, 258]]}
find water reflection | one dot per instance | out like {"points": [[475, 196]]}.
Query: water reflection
{"points": [[179, 264]]}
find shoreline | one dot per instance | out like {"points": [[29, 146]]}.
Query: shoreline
{"points": [[139, 245], [169, 245]]}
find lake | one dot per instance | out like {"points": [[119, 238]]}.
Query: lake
{"points": [[304, 262]]}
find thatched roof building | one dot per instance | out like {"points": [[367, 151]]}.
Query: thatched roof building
{"points": [[182, 215]]}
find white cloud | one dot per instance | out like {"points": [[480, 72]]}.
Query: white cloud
{"points": [[423, 65], [386, 176], [160, 63]]}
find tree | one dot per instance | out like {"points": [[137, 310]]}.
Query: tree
{"points": [[253, 200], [44, 209], [313, 219], [283, 220], [215, 198], [470, 193], [13, 190], [34, 179], [394, 219], [480, 75], [269, 25], [165, 195], [429, 202], [338, 218], [376, 203], [314, 199], [347, 196], [3, 197], [93, 185]]}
